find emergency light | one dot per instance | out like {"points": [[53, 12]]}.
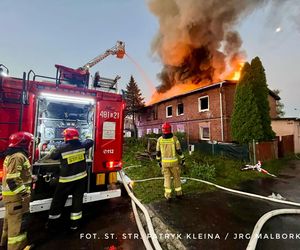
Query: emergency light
{"points": [[65, 98], [113, 164]]}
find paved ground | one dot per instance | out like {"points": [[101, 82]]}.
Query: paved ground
{"points": [[221, 220], [108, 225], [216, 220]]}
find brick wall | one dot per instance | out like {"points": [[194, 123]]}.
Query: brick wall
{"points": [[272, 104], [192, 119]]}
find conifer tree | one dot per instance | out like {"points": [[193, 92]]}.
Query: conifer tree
{"points": [[134, 101], [245, 122], [261, 93]]}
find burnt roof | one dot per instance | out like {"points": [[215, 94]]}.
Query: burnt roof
{"points": [[211, 86]]}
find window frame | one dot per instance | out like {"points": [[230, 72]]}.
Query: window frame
{"points": [[177, 113], [201, 127], [199, 103], [168, 116], [156, 131]]}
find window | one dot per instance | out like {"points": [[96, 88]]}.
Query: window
{"points": [[180, 109], [180, 128], [203, 103], [149, 131], [204, 133], [169, 111], [156, 131], [140, 133]]}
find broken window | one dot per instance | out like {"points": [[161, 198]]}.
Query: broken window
{"points": [[203, 103]]}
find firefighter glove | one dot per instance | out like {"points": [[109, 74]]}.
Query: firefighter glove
{"points": [[159, 164]]}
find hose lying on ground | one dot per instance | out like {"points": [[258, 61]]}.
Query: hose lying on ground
{"points": [[140, 227], [144, 210], [260, 223], [228, 189], [253, 240]]}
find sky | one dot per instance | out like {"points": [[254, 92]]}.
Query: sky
{"points": [[37, 34]]}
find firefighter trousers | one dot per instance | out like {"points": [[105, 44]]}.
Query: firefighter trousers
{"points": [[63, 190], [169, 170], [15, 223]]}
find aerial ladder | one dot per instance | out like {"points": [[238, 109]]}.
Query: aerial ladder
{"points": [[118, 50], [80, 76]]}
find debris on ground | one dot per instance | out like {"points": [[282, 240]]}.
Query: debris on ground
{"points": [[277, 196]]}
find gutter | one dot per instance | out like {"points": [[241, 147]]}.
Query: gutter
{"points": [[221, 111]]}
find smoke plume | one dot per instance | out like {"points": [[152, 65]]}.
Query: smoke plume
{"points": [[197, 40]]}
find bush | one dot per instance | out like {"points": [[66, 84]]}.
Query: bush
{"points": [[203, 171]]}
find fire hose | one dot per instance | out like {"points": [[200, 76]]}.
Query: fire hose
{"points": [[253, 240], [258, 168], [152, 234]]}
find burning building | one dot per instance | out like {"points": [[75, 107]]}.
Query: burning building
{"points": [[204, 114], [199, 46], [198, 42]]}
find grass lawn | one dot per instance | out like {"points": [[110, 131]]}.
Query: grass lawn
{"points": [[223, 171]]}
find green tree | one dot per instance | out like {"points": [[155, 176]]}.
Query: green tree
{"points": [[279, 105], [261, 93], [134, 101], [251, 114], [245, 122]]}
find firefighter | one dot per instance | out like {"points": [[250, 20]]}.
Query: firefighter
{"points": [[72, 178], [167, 149], [16, 190]]}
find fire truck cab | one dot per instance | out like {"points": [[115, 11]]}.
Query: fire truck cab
{"points": [[45, 106]]}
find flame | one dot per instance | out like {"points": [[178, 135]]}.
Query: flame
{"points": [[235, 74], [177, 89]]}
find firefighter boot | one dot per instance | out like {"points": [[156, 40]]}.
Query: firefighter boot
{"points": [[29, 247], [168, 192], [74, 225], [179, 194]]}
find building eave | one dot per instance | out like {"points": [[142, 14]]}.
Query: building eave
{"points": [[286, 119], [211, 86], [201, 89]]}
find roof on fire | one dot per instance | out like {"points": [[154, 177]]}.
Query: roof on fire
{"points": [[207, 87]]}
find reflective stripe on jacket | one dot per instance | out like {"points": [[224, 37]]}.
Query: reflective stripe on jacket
{"points": [[72, 156], [64, 179], [168, 148], [17, 174]]}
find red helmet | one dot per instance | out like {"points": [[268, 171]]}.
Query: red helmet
{"points": [[70, 134], [20, 140], [166, 128]]}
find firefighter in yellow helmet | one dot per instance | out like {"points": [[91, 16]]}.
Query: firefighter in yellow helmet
{"points": [[167, 149], [16, 190]]}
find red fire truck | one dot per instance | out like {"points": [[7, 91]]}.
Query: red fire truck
{"points": [[45, 106]]}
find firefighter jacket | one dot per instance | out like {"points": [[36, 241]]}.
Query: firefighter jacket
{"points": [[17, 175], [167, 148], [72, 156]]}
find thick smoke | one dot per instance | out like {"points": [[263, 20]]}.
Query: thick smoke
{"points": [[197, 39]]}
